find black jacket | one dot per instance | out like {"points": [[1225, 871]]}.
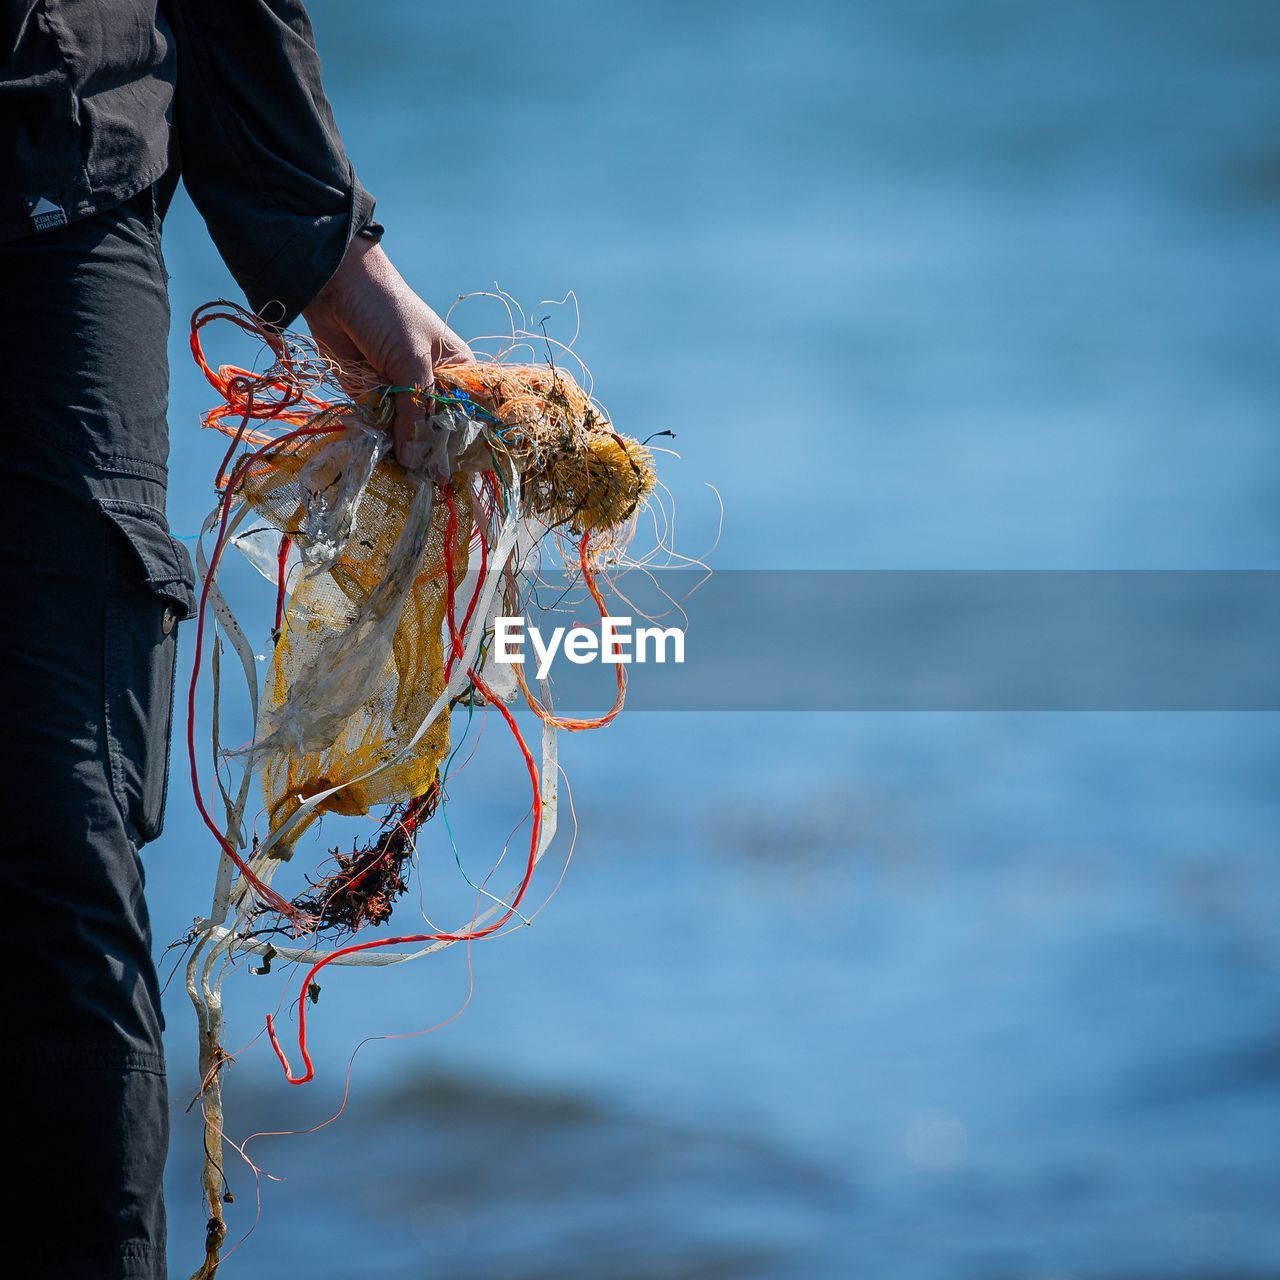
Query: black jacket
{"points": [[101, 98]]}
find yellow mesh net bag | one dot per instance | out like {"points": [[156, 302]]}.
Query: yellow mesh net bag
{"points": [[329, 616]]}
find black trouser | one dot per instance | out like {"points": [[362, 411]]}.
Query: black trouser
{"points": [[91, 586]]}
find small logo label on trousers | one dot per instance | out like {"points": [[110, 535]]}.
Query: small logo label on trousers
{"points": [[44, 214]]}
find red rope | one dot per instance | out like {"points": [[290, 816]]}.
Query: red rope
{"points": [[282, 557], [450, 542]]}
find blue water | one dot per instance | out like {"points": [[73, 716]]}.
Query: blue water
{"points": [[985, 996]]}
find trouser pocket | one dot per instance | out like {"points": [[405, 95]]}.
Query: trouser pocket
{"points": [[149, 592]]}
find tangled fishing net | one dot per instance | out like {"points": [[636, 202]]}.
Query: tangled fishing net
{"points": [[386, 585]]}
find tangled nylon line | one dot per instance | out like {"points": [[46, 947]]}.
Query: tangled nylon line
{"points": [[387, 583]]}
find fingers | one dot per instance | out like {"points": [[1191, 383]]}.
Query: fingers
{"points": [[411, 432]]}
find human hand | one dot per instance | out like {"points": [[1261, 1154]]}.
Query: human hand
{"points": [[367, 312]]}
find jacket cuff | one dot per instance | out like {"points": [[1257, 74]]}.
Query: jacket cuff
{"points": [[307, 260]]}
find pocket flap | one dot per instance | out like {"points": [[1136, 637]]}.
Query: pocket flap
{"points": [[165, 561]]}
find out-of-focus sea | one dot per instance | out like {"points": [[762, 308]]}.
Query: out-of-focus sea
{"points": [[913, 997]]}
